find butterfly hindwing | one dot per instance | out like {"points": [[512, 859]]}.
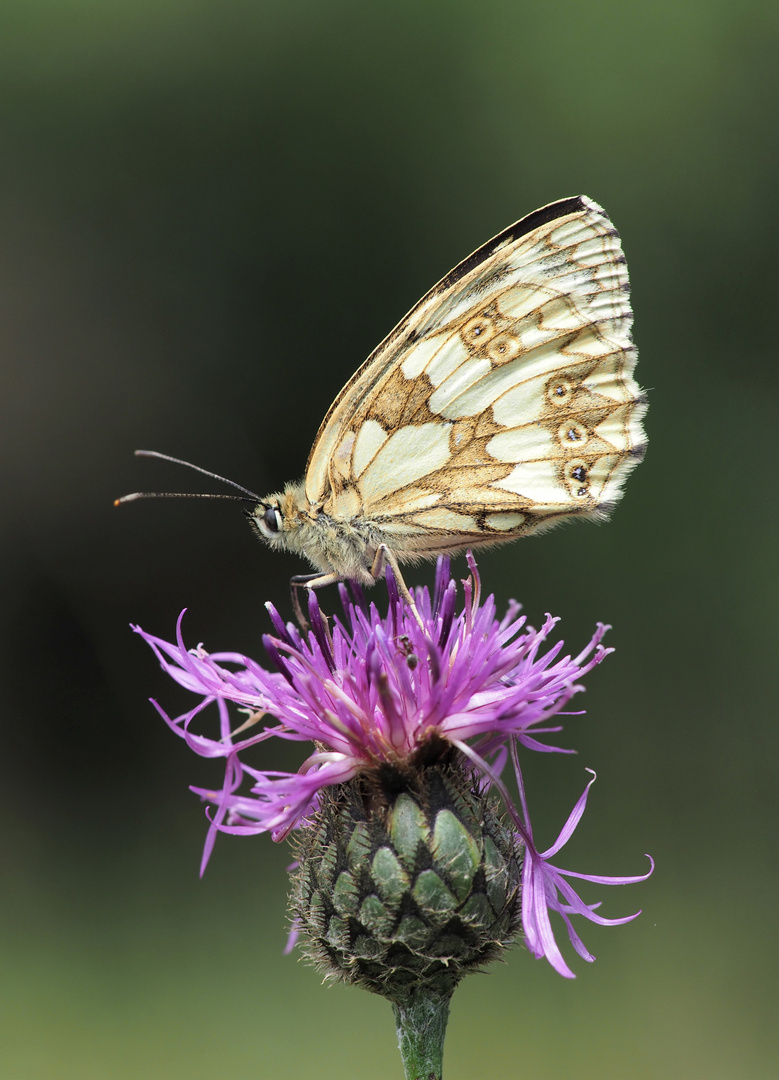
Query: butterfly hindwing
{"points": [[502, 403]]}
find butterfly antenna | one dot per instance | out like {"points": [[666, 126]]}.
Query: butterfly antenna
{"points": [[248, 496]]}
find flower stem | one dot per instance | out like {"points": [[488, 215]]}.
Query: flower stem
{"points": [[420, 1020]]}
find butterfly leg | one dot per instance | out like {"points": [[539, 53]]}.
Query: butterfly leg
{"points": [[384, 556], [308, 582]]}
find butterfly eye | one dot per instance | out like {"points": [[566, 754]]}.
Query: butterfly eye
{"points": [[270, 523]]}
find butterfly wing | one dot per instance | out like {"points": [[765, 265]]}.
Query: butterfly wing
{"points": [[502, 403]]}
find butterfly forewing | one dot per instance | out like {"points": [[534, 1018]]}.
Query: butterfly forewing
{"points": [[503, 402]]}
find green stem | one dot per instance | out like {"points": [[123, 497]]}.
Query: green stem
{"points": [[421, 1025]]}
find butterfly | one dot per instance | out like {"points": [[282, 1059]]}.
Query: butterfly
{"points": [[502, 404]]}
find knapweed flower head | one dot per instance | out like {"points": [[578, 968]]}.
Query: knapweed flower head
{"points": [[415, 861]]}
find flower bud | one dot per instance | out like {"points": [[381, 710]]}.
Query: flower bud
{"points": [[407, 880]]}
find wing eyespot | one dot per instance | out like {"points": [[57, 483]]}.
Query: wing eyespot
{"points": [[572, 435], [576, 475], [503, 347], [478, 331], [559, 392]]}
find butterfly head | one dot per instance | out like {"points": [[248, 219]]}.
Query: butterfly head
{"points": [[288, 521], [279, 518]]}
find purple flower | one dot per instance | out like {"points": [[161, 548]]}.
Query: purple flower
{"points": [[541, 883], [376, 691]]}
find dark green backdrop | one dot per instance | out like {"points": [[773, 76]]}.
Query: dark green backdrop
{"points": [[210, 212]]}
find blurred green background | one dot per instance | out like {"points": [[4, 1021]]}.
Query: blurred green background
{"points": [[210, 212]]}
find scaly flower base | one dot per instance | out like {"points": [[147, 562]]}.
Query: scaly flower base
{"points": [[408, 882]]}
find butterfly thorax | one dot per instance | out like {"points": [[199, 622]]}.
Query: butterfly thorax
{"points": [[289, 521]]}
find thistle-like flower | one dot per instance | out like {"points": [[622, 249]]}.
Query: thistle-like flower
{"points": [[415, 864]]}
